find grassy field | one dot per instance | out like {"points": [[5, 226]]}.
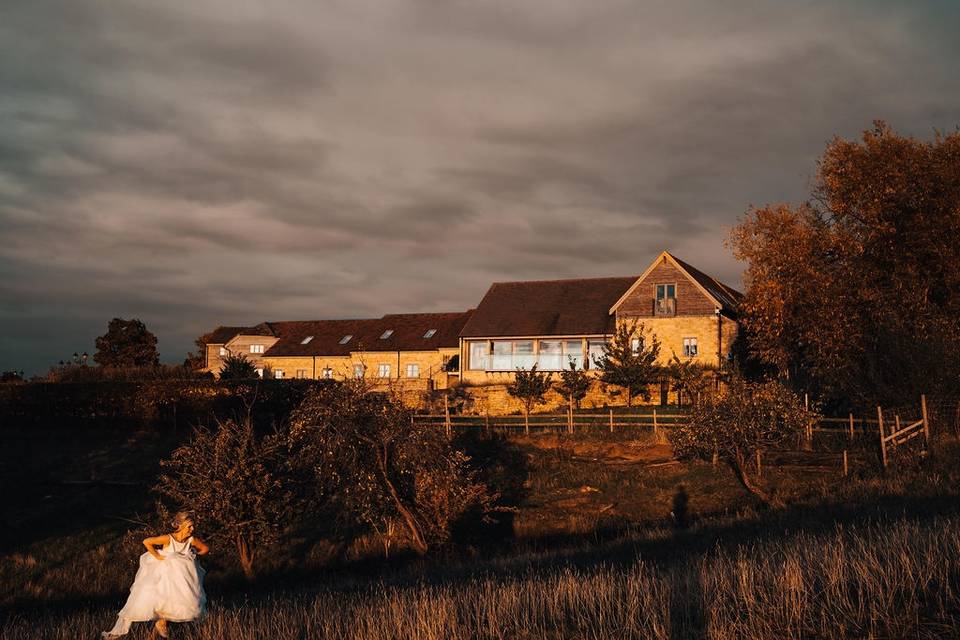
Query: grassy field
{"points": [[593, 552]]}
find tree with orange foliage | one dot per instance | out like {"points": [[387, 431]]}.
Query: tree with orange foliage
{"points": [[855, 295]]}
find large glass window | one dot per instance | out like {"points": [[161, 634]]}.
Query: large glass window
{"points": [[413, 370], [594, 351], [523, 357], [573, 350], [383, 371], [551, 355], [479, 356], [690, 347], [502, 355]]}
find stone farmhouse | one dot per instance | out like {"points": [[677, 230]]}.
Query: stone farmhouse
{"points": [[515, 325]]}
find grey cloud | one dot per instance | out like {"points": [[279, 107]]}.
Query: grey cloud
{"points": [[196, 164]]}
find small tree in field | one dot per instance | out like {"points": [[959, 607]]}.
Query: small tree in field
{"points": [[237, 367], [629, 362], [689, 378], [127, 344], [375, 468], [529, 387], [748, 418], [574, 384], [235, 481]]}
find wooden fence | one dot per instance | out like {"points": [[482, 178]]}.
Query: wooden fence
{"points": [[889, 435], [609, 421]]}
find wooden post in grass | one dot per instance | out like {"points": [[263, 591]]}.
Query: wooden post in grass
{"points": [[759, 469], [715, 457], [446, 414], [611, 420], [570, 418], [883, 441], [851, 426], [896, 428], [926, 420], [846, 468], [656, 429]]}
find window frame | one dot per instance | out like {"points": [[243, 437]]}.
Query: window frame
{"points": [[416, 367], [381, 368], [688, 342]]}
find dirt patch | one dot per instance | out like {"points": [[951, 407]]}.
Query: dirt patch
{"points": [[629, 451]]}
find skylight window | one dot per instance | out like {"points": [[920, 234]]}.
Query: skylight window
{"points": [[345, 339], [386, 334], [429, 333], [306, 340]]}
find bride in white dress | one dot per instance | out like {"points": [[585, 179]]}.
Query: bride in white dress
{"points": [[169, 583]]}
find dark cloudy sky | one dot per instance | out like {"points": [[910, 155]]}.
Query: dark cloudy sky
{"points": [[197, 163]]}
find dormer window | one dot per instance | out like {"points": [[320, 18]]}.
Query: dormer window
{"points": [[430, 333], [386, 334], [345, 339], [306, 340], [256, 348]]}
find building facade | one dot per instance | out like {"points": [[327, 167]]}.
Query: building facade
{"points": [[516, 325]]}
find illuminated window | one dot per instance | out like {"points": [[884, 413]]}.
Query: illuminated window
{"points": [[223, 352], [358, 370], [278, 374], [690, 348], [256, 348], [301, 373], [383, 371], [413, 370], [327, 373]]}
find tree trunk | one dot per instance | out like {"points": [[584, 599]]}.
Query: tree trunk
{"points": [[246, 553], [526, 419], [629, 397], [738, 464], [419, 545]]}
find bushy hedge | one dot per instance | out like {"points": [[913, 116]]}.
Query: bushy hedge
{"points": [[154, 403]]}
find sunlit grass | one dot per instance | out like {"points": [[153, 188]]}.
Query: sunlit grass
{"points": [[885, 579]]}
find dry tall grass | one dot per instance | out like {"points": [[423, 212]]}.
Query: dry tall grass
{"points": [[883, 580]]}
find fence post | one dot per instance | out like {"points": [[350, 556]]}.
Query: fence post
{"points": [[896, 429], [926, 420], [570, 418], [611, 420], [851, 426], [883, 441], [846, 468], [759, 469], [656, 429], [446, 414]]}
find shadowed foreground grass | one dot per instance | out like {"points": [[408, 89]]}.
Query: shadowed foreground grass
{"points": [[886, 579]]}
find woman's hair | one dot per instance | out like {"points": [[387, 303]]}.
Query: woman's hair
{"points": [[180, 518]]}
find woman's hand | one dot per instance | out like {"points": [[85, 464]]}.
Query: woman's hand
{"points": [[152, 543]]}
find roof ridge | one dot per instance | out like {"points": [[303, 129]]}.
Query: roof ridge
{"points": [[564, 280]]}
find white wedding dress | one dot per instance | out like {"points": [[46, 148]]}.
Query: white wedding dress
{"points": [[170, 589]]}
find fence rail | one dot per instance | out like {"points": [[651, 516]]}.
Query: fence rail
{"points": [[896, 436]]}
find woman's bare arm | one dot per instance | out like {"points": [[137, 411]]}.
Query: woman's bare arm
{"points": [[201, 546], [152, 543]]}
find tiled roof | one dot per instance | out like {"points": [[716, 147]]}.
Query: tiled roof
{"points": [[728, 296], [223, 335], [408, 330], [547, 307]]}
